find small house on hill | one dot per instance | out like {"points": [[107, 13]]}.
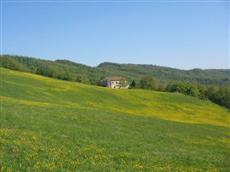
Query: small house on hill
{"points": [[115, 82]]}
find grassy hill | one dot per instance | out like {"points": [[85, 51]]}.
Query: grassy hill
{"points": [[54, 125], [67, 70], [61, 69]]}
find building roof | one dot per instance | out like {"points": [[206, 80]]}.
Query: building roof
{"points": [[115, 78]]}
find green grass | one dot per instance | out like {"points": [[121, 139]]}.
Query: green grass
{"points": [[53, 125]]}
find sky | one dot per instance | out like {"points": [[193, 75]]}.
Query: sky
{"points": [[181, 34]]}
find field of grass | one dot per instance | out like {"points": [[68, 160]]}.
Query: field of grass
{"points": [[53, 125]]}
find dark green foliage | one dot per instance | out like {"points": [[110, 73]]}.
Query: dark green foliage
{"points": [[184, 88], [148, 82], [132, 85], [219, 95], [166, 74], [202, 91], [61, 69], [93, 75]]}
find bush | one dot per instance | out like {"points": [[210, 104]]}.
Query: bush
{"points": [[219, 95], [148, 83], [184, 88]]}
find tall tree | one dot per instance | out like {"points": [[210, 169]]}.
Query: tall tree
{"points": [[132, 85]]}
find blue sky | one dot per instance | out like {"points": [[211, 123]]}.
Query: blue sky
{"points": [[181, 34]]}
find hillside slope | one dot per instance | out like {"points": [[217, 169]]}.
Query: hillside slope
{"points": [[49, 124], [67, 70], [61, 69], [137, 71]]}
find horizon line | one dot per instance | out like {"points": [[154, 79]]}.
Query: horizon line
{"points": [[128, 63]]}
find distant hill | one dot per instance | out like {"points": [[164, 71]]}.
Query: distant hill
{"points": [[67, 70], [209, 76], [61, 69]]}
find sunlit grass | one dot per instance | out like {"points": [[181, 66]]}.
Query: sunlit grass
{"points": [[52, 125]]}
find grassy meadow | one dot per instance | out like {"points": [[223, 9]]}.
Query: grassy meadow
{"points": [[54, 125]]}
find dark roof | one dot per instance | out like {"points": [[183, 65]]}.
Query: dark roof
{"points": [[115, 78]]}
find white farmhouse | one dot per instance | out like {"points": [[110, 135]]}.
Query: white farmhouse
{"points": [[115, 82]]}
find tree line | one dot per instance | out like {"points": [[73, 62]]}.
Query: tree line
{"points": [[217, 94], [217, 90]]}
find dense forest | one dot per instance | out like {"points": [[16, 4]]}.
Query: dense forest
{"points": [[64, 69], [212, 84], [61, 69], [166, 74]]}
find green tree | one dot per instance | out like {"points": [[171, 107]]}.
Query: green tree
{"points": [[132, 85], [219, 95], [184, 88], [148, 83]]}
